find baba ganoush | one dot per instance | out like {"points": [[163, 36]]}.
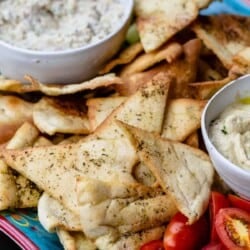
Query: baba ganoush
{"points": [[54, 25], [230, 134]]}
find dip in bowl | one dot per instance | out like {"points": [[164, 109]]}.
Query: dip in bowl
{"points": [[225, 127], [60, 41]]}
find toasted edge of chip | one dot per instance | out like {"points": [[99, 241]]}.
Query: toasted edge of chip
{"points": [[204, 90], [125, 56], [168, 52], [61, 89]]}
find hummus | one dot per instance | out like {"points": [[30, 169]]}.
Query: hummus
{"points": [[230, 134], [57, 24]]}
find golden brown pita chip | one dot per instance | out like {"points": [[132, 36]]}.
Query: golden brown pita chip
{"points": [[193, 140], [8, 189], [157, 21], [168, 52], [15, 86], [14, 112], [133, 82], [182, 70], [204, 90], [23, 193], [100, 108], [65, 115], [60, 89], [125, 56], [182, 118], [24, 137], [182, 171], [241, 63], [225, 35], [144, 109], [55, 168]]}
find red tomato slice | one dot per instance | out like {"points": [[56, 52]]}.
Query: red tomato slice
{"points": [[233, 228], [239, 202], [181, 236], [217, 201], [153, 245]]}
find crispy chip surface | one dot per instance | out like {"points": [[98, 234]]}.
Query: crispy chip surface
{"points": [[155, 23]]}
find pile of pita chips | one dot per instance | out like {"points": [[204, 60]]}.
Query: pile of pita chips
{"points": [[100, 158], [93, 179]]}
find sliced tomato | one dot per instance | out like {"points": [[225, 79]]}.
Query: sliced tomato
{"points": [[214, 246], [181, 236], [239, 202], [233, 228], [217, 201], [153, 245]]}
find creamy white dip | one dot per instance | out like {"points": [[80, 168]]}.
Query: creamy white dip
{"points": [[57, 24], [230, 134]]}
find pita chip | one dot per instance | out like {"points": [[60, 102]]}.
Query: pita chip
{"points": [[100, 108], [127, 55], [193, 140], [225, 35], [144, 109], [184, 67], [55, 168], [205, 90], [182, 171], [182, 118], [52, 214], [15, 111], [168, 52], [66, 116], [16, 191], [130, 241], [119, 208], [156, 26], [24, 137], [60, 89]]}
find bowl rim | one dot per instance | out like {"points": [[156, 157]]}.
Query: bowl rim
{"points": [[207, 141], [128, 6]]}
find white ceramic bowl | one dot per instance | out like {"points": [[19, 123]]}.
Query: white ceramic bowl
{"points": [[235, 177], [66, 66]]}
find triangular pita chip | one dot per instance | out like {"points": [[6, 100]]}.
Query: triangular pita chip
{"points": [[205, 90], [182, 118], [14, 112], [55, 168], [225, 35], [66, 116], [100, 108], [157, 21], [182, 171]]}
